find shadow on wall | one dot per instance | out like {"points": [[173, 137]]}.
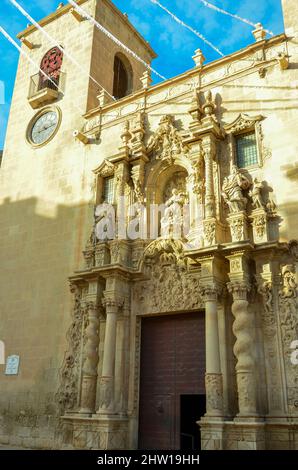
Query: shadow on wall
{"points": [[289, 228], [37, 254]]}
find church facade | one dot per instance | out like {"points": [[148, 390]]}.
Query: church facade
{"points": [[149, 245]]}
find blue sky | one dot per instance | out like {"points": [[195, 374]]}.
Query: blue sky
{"points": [[173, 43]]}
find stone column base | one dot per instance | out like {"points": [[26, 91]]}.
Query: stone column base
{"points": [[212, 432], [232, 435], [280, 434], [109, 433], [244, 435]]}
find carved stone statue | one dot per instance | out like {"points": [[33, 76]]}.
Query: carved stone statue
{"points": [[257, 194], [232, 190], [172, 221]]}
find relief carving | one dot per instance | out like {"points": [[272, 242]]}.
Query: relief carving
{"points": [[268, 317], [288, 310], [166, 142], [172, 287], [68, 392], [214, 393]]}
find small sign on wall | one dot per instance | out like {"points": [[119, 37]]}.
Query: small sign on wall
{"points": [[12, 365]]}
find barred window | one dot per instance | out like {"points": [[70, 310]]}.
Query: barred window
{"points": [[108, 190], [246, 150]]}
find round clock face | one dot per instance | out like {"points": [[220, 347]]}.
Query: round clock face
{"points": [[44, 127]]}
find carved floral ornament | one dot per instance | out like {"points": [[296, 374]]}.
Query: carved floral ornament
{"points": [[171, 285], [166, 142]]}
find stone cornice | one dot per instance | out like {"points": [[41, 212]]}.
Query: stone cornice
{"points": [[48, 19], [238, 55], [66, 8]]}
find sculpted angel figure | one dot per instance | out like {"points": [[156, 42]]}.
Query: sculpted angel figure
{"points": [[232, 190]]}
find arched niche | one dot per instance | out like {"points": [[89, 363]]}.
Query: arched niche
{"points": [[162, 181]]}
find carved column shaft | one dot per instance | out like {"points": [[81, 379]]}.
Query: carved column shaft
{"points": [[108, 367], [89, 376], [209, 188], [213, 377]]}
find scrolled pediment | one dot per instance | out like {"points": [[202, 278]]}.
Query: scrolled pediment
{"points": [[243, 122], [105, 169]]}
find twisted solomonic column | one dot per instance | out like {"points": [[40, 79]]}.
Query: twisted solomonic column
{"points": [[243, 348], [90, 361], [213, 376]]}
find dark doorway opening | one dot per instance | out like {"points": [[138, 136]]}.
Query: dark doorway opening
{"points": [[192, 408]]}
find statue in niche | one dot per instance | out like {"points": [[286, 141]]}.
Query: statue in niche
{"points": [[172, 221], [232, 190]]}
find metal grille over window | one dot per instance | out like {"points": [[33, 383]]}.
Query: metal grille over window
{"points": [[108, 190], [246, 147]]}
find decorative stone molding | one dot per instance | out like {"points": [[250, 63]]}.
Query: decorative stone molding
{"points": [[89, 253], [166, 142], [106, 393], [265, 288], [105, 170], [238, 223], [288, 311], [101, 254], [68, 392], [170, 286], [209, 181], [210, 292], [242, 123], [91, 358], [214, 394], [209, 232], [137, 176]]}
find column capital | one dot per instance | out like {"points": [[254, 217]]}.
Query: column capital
{"points": [[211, 292], [112, 302], [239, 289]]}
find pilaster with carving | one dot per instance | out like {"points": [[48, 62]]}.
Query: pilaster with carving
{"points": [[91, 357], [267, 286], [288, 315], [68, 393]]}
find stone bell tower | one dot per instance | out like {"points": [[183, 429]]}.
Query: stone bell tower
{"points": [[290, 13]]}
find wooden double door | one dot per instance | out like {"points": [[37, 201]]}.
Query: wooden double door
{"points": [[172, 388]]}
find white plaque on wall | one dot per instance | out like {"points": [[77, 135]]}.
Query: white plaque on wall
{"points": [[12, 365]]}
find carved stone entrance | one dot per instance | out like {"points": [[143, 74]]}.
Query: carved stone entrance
{"points": [[172, 366]]}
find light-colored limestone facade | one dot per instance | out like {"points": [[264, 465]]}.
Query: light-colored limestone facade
{"points": [[72, 303]]}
